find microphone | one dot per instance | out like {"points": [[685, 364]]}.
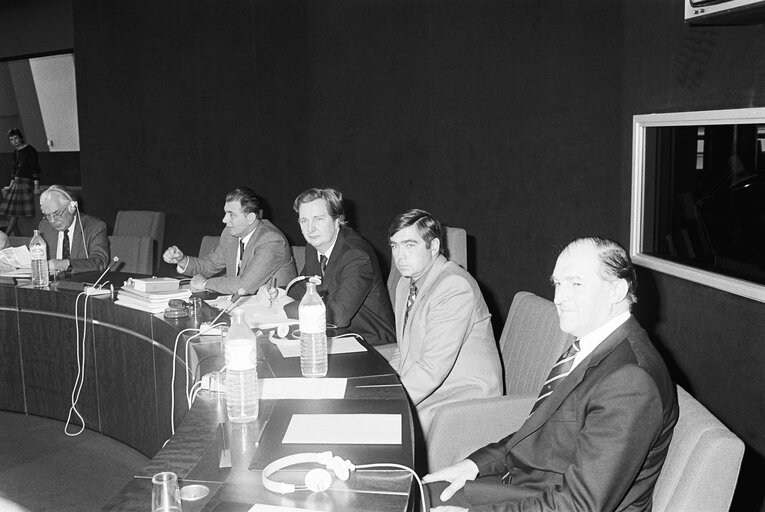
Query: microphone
{"points": [[108, 268], [234, 299]]}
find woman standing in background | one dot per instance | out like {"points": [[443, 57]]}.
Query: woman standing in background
{"points": [[18, 197]]}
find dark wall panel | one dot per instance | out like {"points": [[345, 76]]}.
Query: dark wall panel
{"points": [[714, 339], [467, 109]]}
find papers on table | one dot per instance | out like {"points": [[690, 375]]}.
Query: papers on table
{"points": [[344, 429], [257, 314], [16, 262], [338, 345], [153, 302], [300, 388], [277, 508]]}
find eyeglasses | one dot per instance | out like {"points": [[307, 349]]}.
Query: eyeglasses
{"points": [[55, 215]]}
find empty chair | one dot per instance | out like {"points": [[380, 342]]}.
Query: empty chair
{"points": [[143, 223], [455, 249], [208, 245], [136, 253], [531, 342], [702, 465]]}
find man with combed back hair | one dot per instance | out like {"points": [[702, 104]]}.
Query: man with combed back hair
{"points": [[597, 436], [251, 251]]}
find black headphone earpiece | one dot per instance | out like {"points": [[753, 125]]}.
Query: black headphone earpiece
{"points": [[316, 480]]}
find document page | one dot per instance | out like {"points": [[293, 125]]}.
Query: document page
{"points": [[300, 388], [337, 345], [344, 429], [13, 258]]}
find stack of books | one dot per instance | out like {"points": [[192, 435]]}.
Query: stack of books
{"points": [[135, 295]]}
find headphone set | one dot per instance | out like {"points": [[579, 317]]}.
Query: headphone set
{"points": [[72, 207], [316, 480], [320, 479]]}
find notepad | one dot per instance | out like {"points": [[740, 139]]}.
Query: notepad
{"points": [[343, 429], [339, 345], [301, 388]]}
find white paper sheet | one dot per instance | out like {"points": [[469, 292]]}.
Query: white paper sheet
{"points": [[277, 508], [300, 388], [339, 345], [12, 258], [257, 314], [344, 429]]}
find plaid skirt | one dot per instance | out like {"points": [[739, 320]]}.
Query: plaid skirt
{"points": [[19, 199]]}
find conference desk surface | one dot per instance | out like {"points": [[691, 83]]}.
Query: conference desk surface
{"points": [[130, 355]]}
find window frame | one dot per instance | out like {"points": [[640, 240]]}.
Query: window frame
{"points": [[640, 124]]}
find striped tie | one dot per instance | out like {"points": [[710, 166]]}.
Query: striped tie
{"points": [[410, 301], [560, 369]]}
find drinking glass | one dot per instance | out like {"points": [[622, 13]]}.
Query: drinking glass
{"points": [[165, 495]]}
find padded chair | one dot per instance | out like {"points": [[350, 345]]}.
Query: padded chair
{"points": [[298, 254], [18, 241], [702, 465], [136, 253], [208, 244], [455, 243], [531, 342], [143, 223]]}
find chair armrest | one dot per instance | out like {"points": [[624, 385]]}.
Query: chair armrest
{"points": [[460, 428]]}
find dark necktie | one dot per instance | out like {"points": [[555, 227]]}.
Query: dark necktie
{"points": [[410, 301], [560, 369], [65, 246], [323, 262], [241, 256]]}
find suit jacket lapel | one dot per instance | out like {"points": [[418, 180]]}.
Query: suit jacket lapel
{"points": [[249, 248], [403, 294], [572, 380]]}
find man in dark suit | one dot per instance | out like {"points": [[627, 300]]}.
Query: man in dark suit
{"points": [[251, 251], [76, 242], [352, 285], [598, 434]]}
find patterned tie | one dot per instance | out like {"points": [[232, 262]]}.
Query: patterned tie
{"points": [[323, 262], [65, 246], [560, 369], [241, 256], [410, 301]]}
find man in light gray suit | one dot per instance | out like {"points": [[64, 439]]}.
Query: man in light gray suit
{"points": [[251, 251], [446, 348]]}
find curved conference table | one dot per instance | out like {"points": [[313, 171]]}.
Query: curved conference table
{"points": [[126, 396]]}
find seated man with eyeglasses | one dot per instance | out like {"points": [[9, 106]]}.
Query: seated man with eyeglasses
{"points": [[76, 242]]}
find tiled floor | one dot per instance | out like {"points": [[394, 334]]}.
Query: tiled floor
{"points": [[43, 469]]}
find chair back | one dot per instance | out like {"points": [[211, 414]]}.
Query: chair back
{"points": [[298, 254], [702, 464], [18, 241], [455, 249], [143, 223], [208, 244], [136, 253], [530, 343]]}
